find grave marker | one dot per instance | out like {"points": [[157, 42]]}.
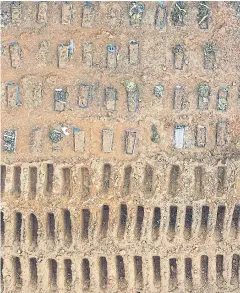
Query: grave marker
{"points": [[9, 140], [107, 140], [79, 139], [130, 141], [14, 50]]}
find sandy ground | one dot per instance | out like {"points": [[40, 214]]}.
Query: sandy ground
{"points": [[107, 175]]}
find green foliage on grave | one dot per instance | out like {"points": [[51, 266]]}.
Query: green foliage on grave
{"points": [[203, 90], [178, 13], [209, 48], [178, 50], [236, 6], [55, 135], [158, 90], [155, 136], [203, 11]]}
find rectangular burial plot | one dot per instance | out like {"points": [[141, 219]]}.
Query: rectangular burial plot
{"points": [[18, 227], [2, 228], [86, 215], [174, 180], [60, 99], [221, 133], [179, 136], [201, 133], [66, 13], [178, 57], [173, 274], [16, 12], [156, 223], [221, 211], [135, 12], [33, 178], [2, 284], [203, 93], [219, 269], [85, 182], [148, 179], [52, 266], [103, 272], [222, 99], [179, 13], [65, 52], [238, 97], [138, 267], [9, 140], [188, 274], [68, 271], [104, 220], [205, 216], [179, 98], [33, 271], [221, 179], [123, 220], [209, 52], [127, 180], [203, 14], [198, 180], [86, 274], [132, 96], [156, 270], [87, 53], [121, 275], [235, 271], [235, 224], [5, 14], [111, 56], [33, 230], [88, 14], [3, 178], [49, 178], [79, 139], [84, 95], [204, 269], [188, 223], [161, 15], [130, 141], [36, 137], [51, 227], [133, 52], [172, 222], [110, 98], [63, 55], [67, 227], [14, 50], [66, 181], [12, 94], [17, 171], [17, 269], [106, 177], [107, 140], [42, 11], [139, 222]]}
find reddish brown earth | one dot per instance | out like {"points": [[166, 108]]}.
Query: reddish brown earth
{"points": [[108, 211]]}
